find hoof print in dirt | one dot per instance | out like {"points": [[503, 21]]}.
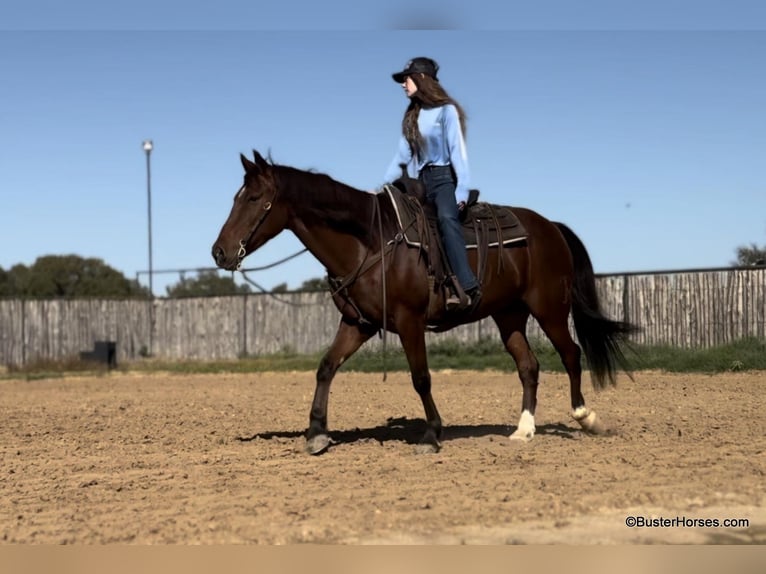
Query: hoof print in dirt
{"points": [[427, 448]]}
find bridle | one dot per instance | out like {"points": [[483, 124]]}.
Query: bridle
{"points": [[242, 252]]}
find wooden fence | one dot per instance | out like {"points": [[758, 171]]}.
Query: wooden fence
{"points": [[686, 309]]}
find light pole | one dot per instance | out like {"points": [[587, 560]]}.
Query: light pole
{"points": [[148, 147]]}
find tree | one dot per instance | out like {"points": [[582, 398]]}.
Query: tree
{"points": [[5, 283], [207, 283], [281, 288], [13, 283], [750, 255], [315, 284], [68, 276]]}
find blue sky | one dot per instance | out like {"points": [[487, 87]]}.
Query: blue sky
{"points": [[648, 139]]}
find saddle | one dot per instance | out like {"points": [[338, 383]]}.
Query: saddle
{"points": [[484, 226]]}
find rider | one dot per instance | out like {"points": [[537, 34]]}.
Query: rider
{"points": [[432, 146]]}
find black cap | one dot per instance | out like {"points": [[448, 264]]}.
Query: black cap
{"points": [[417, 66]]}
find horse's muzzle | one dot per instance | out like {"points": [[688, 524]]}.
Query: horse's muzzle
{"points": [[219, 256]]}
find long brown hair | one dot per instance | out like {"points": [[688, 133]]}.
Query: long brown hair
{"points": [[430, 94]]}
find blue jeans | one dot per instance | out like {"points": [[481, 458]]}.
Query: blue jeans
{"points": [[440, 190]]}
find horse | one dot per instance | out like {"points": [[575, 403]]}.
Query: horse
{"points": [[385, 286]]}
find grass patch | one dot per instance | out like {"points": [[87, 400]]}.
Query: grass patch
{"points": [[743, 355], [49, 368], [489, 354]]}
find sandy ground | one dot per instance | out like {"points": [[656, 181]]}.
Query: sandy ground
{"points": [[203, 459]]}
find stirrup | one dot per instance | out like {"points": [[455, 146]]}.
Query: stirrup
{"points": [[474, 298], [469, 303], [457, 299], [453, 302]]}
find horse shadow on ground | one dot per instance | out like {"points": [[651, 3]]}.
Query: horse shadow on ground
{"points": [[410, 431]]}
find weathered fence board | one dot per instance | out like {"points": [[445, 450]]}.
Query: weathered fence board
{"points": [[687, 309]]}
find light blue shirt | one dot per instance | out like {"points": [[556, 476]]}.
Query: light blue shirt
{"points": [[444, 145]]}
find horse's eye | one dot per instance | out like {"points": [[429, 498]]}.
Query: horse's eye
{"points": [[253, 198]]}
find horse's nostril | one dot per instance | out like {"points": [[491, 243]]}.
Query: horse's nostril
{"points": [[218, 254]]}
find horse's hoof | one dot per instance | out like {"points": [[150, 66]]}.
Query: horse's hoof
{"points": [[522, 436], [526, 429], [427, 448], [590, 423], [318, 444]]}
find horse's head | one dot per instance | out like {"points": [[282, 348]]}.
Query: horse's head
{"points": [[255, 216]]}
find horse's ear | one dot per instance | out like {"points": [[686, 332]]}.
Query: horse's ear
{"points": [[259, 161], [246, 163]]}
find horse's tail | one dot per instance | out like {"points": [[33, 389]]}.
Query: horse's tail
{"points": [[602, 339]]}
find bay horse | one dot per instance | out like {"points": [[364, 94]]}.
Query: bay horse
{"points": [[351, 233]]}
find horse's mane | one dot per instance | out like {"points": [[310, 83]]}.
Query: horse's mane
{"points": [[319, 197]]}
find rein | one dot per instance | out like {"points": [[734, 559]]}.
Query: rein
{"points": [[270, 294], [366, 264], [275, 263], [383, 279], [269, 266]]}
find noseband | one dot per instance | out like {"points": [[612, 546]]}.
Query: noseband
{"points": [[242, 252]]}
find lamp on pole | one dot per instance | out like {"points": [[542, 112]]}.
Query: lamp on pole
{"points": [[148, 147]]}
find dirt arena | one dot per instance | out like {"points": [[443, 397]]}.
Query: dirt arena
{"points": [[203, 459]]}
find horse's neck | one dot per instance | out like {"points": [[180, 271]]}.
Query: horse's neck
{"points": [[334, 226], [339, 252]]}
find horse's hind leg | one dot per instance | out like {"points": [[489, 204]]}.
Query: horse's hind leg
{"points": [[557, 330], [412, 335], [348, 339], [513, 325]]}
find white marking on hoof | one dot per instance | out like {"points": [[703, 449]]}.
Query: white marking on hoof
{"points": [[588, 420], [526, 429], [580, 412]]}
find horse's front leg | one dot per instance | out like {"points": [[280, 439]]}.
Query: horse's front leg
{"points": [[348, 339], [412, 334]]}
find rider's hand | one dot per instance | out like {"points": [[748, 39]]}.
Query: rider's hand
{"points": [[461, 206]]}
